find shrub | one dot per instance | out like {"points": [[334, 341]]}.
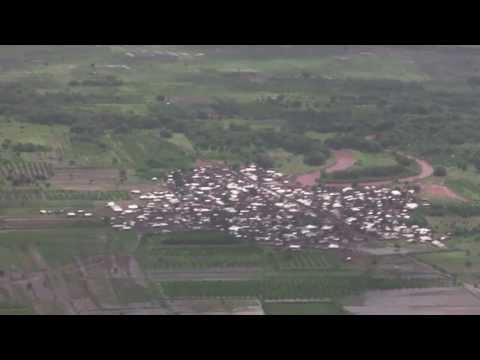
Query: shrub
{"points": [[440, 171]]}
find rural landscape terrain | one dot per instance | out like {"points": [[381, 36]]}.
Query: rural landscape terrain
{"points": [[241, 180]]}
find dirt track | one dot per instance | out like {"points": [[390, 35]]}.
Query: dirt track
{"points": [[426, 170], [345, 160]]}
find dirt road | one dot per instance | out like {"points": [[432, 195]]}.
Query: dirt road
{"points": [[345, 160], [426, 170]]}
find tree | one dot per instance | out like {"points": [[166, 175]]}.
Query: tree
{"points": [[440, 171], [462, 165], [122, 175], [165, 133], [314, 159], [305, 74], [264, 161]]}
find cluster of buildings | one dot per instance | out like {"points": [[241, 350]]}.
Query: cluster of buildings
{"points": [[68, 213], [265, 206]]}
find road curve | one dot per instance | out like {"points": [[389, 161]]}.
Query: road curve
{"points": [[426, 170], [344, 160]]}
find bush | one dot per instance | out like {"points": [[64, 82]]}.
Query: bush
{"points": [[28, 147], [315, 159], [264, 161], [440, 171]]}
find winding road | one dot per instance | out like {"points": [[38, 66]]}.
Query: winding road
{"points": [[344, 160]]}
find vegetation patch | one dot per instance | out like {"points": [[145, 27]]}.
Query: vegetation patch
{"points": [[287, 288], [303, 308], [191, 238]]}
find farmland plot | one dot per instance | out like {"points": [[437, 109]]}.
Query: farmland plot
{"points": [[429, 301], [195, 257], [286, 288], [311, 260]]}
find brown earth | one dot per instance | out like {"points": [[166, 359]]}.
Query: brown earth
{"points": [[343, 160]]}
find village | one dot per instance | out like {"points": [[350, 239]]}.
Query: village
{"points": [[267, 207]]}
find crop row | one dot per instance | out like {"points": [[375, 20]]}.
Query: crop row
{"points": [[302, 261], [54, 195], [22, 172], [172, 257], [287, 288]]}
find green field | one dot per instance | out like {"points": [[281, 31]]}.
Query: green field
{"points": [[201, 257], [15, 310], [363, 160], [465, 183], [305, 308], [298, 287], [290, 164]]}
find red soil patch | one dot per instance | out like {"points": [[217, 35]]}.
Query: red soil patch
{"points": [[440, 191], [343, 160], [309, 179]]}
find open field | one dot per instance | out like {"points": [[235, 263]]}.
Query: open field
{"points": [[363, 159]]}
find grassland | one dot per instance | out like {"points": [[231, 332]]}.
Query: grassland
{"points": [[368, 160], [15, 310], [465, 183], [303, 308], [289, 163]]}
